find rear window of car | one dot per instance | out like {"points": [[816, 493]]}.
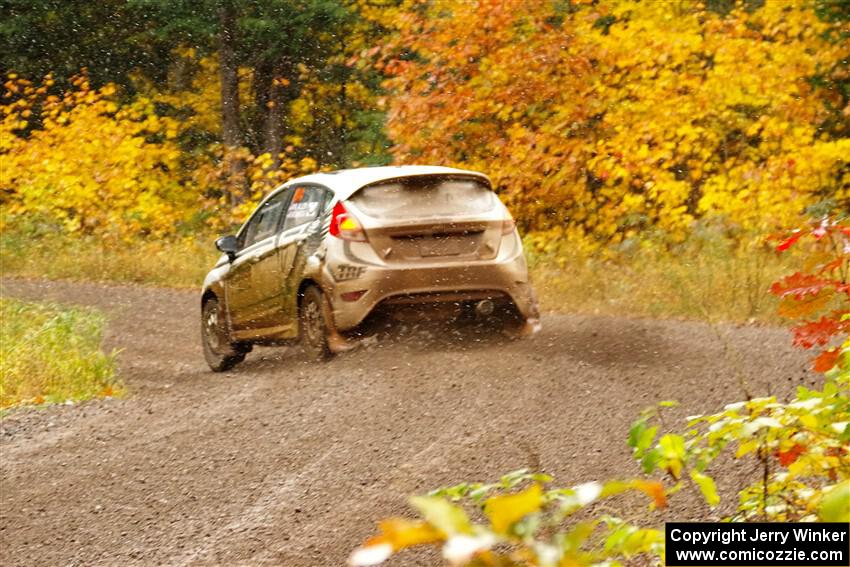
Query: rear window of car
{"points": [[425, 196]]}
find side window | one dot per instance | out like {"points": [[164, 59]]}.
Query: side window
{"points": [[307, 204], [264, 223]]}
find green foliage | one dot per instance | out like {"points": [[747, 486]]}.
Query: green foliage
{"points": [[292, 55], [51, 354], [523, 524], [38, 37], [835, 504], [802, 448]]}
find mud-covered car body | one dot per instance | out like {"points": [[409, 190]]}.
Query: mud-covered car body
{"points": [[367, 238]]}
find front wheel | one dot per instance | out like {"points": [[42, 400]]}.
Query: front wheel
{"points": [[218, 352], [313, 327]]}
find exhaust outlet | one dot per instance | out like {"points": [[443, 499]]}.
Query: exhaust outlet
{"points": [[484, 308]]}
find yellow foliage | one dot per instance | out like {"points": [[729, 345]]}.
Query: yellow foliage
{"points": [[504, 510], [202, 97], [196, 90], [234, 181], [93, 166], [615, 116], [96, 166]]}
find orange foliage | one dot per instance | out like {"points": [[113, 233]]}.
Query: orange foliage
{"points": [[598, 119]]}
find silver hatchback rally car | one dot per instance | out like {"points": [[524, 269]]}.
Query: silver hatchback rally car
{"points": [[324, 252]]}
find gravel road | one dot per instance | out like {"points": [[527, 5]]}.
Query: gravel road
{"points": [[284, 462]]}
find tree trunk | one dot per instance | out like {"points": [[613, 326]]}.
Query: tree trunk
{"points": [[230, 129], [282, 91], [339, 158], [261, 83]]}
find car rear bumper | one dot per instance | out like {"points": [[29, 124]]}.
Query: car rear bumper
{"points": [[426, 284]]}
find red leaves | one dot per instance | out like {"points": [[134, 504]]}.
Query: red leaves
{"points": [[788, 242], [809, 295], [799, 285], [826, 360], [817, 332], [786, 458], [823, 228]]}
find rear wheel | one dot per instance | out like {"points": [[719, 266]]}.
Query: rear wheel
{"points": [[219, 353], [313, 327]]}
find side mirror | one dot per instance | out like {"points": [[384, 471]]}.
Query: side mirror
{"points": [[229, 245]]}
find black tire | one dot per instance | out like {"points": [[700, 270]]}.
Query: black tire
{"points": [[219, 353], [312, 327]]}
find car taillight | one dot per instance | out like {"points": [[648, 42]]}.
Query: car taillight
{"points": [[344, 225], [508, 225]]}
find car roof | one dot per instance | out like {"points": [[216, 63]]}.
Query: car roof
{"points": [[345, 182]]}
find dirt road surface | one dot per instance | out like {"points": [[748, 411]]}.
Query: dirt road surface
{"points": [[284, 462]]}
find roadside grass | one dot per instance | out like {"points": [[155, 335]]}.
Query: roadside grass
{"points": [[708, 277], [716, 280], [173, 263], [51, 354]]}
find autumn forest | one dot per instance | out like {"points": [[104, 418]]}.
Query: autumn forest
{"points": [[678, 177], [599, 122]]}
